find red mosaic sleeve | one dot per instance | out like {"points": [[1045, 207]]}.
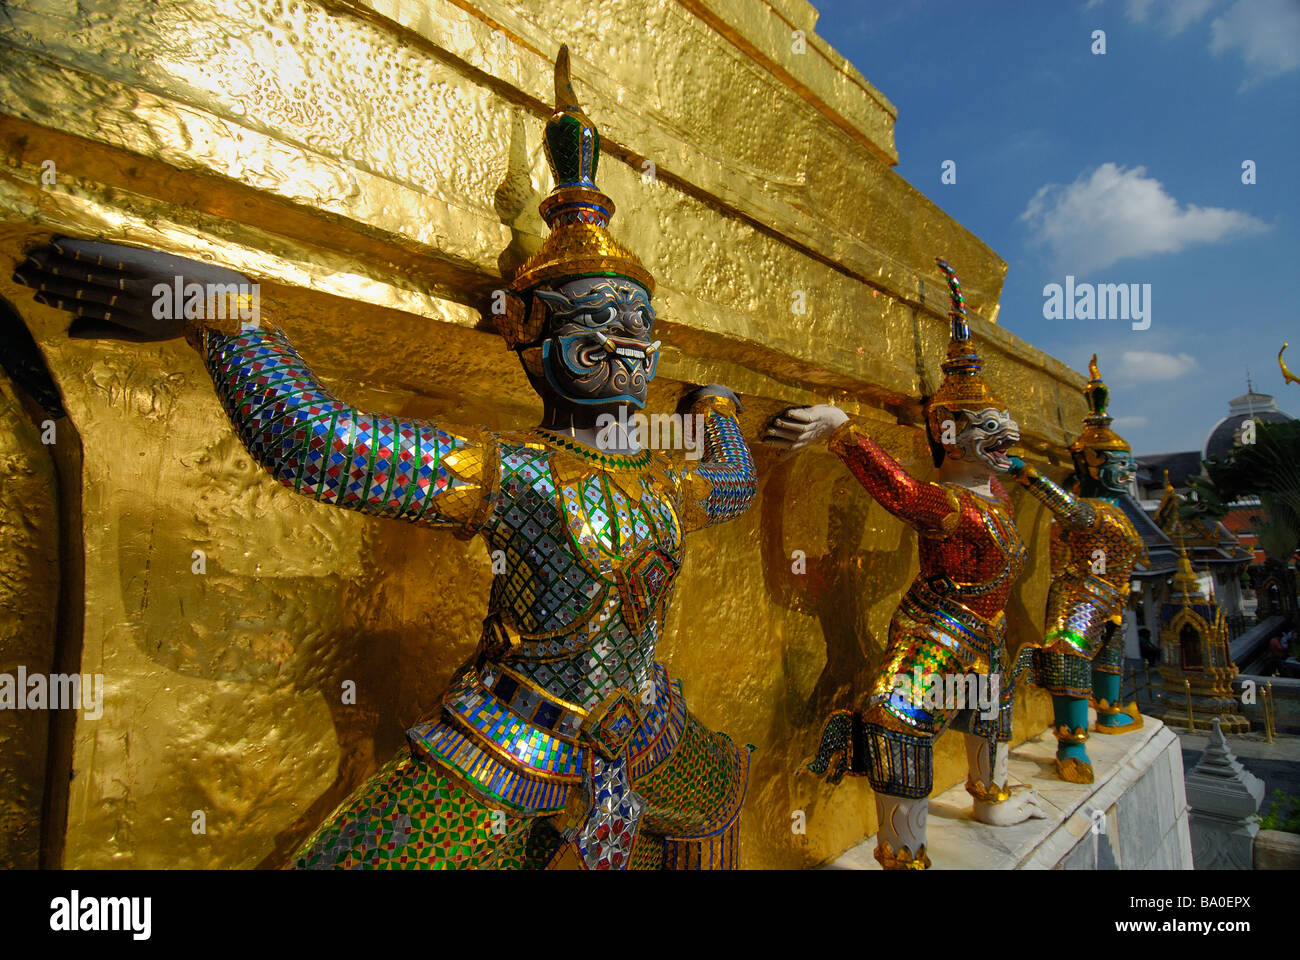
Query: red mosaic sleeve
{"points": [[931, 508]]}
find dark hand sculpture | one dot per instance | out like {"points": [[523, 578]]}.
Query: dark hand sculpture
{"points": [[129, 293]]}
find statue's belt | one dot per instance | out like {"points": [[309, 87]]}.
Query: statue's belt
{"points": [[607, 727], [500, 747], [973, 640]]}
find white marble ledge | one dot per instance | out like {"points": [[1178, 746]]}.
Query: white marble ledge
{"points": [[1146, 762]]}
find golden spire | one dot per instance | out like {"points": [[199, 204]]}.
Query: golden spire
{"points": [[566, 101], [1187, 586], [1097, 434], [577, 212], [963, 386]]}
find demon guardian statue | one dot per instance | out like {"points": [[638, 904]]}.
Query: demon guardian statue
{"points": [[950, 622], [562, 742]]}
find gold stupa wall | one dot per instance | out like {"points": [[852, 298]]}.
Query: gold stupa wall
{"points": [[377, 167]]}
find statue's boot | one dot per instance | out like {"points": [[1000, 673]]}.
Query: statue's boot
{"points": [[1070, 724], [996, 803], [1111, 717]]}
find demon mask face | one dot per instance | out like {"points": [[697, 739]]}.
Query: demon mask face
{"points": [[983, 436], [1104, 473], [597, 348]]}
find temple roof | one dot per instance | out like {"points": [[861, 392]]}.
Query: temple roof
{"points": [[1181, 466], [1260, 407]]}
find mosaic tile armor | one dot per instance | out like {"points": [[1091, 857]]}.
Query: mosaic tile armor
{"points": [[564, 698], [950, 621], [562, 733], [1094, 551]]}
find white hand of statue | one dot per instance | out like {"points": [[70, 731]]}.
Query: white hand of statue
{"points": [[800, 426], [1023, 804]]}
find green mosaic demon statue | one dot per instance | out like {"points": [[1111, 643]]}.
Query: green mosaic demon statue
{"points": [[1094, 550], [562, 742]]}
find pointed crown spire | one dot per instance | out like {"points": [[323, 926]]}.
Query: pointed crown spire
{"points": [[1187, 586], [963, 386], [1097, 434], [577, 212]]}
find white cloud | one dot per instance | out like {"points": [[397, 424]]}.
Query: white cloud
{"points": [[1136, 366], [1265, 32], [1117, 214], [1174, 16], [1122, 423]]}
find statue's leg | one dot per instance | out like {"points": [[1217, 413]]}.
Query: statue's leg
{"points": [[988, 752], [1107, 673], [412, 815], [693, 800], [1067, 675], [900, 836], [996, 803], [1070, 723], [900, 768], [892, 742]]}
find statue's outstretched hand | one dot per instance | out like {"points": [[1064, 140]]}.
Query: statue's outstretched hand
{"points": [[110, 288], [798, 427]]}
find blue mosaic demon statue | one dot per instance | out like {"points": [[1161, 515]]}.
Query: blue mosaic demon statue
{"points": [[562, 743]]}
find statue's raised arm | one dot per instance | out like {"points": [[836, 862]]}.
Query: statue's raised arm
{"points": [[301, 433], [329, 450]]}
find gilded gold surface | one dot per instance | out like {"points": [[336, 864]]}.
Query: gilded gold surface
{"points": [[377, 167]]}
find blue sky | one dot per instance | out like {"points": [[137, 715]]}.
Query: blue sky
{"points": [[1117, 168]]}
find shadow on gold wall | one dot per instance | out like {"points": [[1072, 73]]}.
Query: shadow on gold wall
{"points": [[836, 587], [41, 571]]}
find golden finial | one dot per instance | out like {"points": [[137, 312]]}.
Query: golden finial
{"points": [[1287, 375], [1186, 584], [1171, 496], [1093, 372], [565, 98], [963, 386]]}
